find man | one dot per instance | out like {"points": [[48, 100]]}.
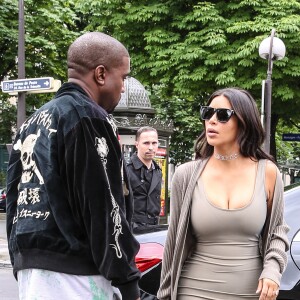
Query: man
{"points": [[68, 223], [145, 179]]}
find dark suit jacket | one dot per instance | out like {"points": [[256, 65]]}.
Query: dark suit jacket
{"points": [[146, 202]]}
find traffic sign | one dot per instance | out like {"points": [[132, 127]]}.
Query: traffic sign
{"points": [[292, 137], [31, 85]]}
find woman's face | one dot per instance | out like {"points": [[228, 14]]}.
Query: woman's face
{"points": [[221, 134]]}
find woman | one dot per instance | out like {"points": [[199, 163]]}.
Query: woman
{"points": [[227, 237]]}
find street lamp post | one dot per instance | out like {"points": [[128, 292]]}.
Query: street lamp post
{"points": [[271, 48]]}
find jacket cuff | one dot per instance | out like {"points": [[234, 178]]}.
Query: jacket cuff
{"points": [[271, 271], [130, 290]]}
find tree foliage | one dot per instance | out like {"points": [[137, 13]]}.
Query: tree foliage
{"points": [[8, 113], [50, 26], [287, 150], [181, 50], [186, 49], [49, 29]]}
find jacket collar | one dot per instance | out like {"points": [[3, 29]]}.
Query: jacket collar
{"points": [[70, 85], [137, 163], [77, 92]]}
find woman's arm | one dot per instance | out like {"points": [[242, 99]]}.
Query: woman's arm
{"points": [[175, 201], [165, 284], [275, 257]]}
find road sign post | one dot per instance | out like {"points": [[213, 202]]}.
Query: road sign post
{"points": [[21, 87], [30, 85], [21, 109]]}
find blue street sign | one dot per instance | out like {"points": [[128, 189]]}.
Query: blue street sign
{"points": [[27, 85], [292, 137]]}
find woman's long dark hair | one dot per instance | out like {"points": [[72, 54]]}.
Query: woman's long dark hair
{"points": [[251, 134]]}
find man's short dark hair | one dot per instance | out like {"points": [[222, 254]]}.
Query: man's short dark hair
{"points": [[144, 129]]}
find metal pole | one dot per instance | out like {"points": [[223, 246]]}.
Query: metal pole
{"points": [[21, 110], [262, 113], [268, 95], [268, 99]]}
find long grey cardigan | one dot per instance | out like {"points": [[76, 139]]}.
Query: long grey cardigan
{"points": [[273, 243]]}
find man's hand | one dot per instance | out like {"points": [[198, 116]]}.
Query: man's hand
{"points": [[268, 289]]}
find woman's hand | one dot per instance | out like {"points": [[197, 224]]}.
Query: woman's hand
{"points": [[268, 289]]}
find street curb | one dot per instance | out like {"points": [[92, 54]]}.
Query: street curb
{"points": [[4, 255], [5, 264]]}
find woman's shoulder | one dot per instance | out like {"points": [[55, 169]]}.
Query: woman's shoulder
{"points": [[186, 170], [271, 169], [189, 166], [271, 174]]}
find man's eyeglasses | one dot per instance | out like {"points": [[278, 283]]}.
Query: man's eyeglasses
{"points": [[223, 114]]}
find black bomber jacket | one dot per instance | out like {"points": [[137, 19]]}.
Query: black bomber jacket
{"points": [[66, 211]]}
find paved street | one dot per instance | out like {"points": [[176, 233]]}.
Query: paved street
{"points": [[8, 286], [4, 258]]}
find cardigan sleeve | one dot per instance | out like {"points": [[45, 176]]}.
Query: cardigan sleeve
{"points": [[175, 204], [275, 257], [179, 240]]}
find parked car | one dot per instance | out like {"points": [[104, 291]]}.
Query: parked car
{"points": [[3, 199], [290, 282], [149, 257]]}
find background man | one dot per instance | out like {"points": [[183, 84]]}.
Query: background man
{"points": [[68, 223], [145, 178]]}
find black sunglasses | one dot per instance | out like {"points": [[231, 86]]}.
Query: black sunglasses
{"points": [[223, 114]]}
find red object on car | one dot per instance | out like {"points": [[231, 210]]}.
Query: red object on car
{"points": [[149, 255], [3, 199]]}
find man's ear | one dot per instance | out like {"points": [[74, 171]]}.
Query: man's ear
{"points": [[99, 74]]}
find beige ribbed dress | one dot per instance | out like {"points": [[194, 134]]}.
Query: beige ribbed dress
{"points": [[226, 262]]}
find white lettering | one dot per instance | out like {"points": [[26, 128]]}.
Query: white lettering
{"points": [[43, 118]]}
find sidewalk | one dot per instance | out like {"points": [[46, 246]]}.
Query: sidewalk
{"points": [[4, 256]]}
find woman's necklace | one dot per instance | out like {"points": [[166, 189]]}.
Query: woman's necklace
{"points": [[226, 157]]}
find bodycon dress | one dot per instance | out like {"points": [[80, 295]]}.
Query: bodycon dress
{"points": [[226, 262]]}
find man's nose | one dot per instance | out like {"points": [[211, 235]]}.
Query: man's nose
{"points": [[123, 88]]}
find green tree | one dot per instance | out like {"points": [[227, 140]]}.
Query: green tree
{"points": [[7, 121], [50, 26], [183, 50], [287, 150]]}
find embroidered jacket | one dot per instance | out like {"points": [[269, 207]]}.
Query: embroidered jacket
{"points": [[65, 206], [273, 242]]}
